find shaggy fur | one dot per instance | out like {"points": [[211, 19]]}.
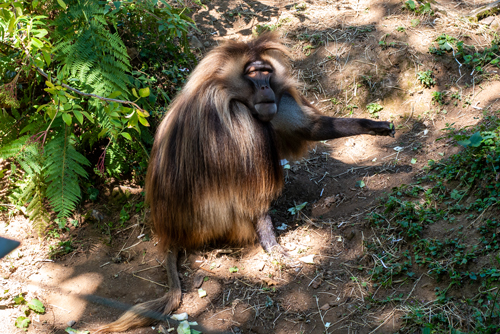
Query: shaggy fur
{"points": [[215, 168]]}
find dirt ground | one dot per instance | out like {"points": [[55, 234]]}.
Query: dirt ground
{"points": [[342, 67]]}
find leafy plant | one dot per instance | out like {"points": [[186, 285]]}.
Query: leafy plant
{"points": [[445, 44], [426, 78], [81, 94], [424, 8], [469, 55], [374, 109], [438, 97], [297, 208], [62, 248]]}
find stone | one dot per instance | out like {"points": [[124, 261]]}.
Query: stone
{"points": [[325, 307], [195, 43], [489, 20]]}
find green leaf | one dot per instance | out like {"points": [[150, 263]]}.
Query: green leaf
{"points": [[36, 306], [36, 42], [67, 118], [135, 92], [62, 4], [126, 135], [294, 209], [411, 4], [233, 269], [360, 184], [143, 121], [413, 161], [103, 132], [88, 116], [19, 299], [476, 139], [22, 322], [144, 92], [47, 57], [184, 328], [78, 116], [115, 94], [464, 143]]}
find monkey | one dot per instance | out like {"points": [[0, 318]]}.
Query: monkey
{"points": [[215, 163]]}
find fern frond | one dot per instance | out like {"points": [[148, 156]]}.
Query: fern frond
{"points": [[63, 168], [37, 213], [13, 148], [90, 51], [33, 186]]}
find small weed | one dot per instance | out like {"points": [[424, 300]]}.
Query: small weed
{"points": [[426, 78], [438, 97], [445, 44], [351, 108], [34, 305], [374, 109], [420, 9], [335, 101], [62, 248], [400, 29], [297, 208], [467, 54]]}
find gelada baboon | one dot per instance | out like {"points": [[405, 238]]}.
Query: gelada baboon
{"points": [[215, 164]]}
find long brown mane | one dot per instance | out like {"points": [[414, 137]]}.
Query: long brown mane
{"points": [[214, 168]]}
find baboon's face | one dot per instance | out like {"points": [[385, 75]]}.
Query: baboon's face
{"points": [[263, 104]]}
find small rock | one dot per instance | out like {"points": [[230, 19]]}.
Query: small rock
{"points": [[198, 279], [325, 307], [195, 43], [350, 235], [316, 284], [207, 44], [71, 323], [489, 20]]}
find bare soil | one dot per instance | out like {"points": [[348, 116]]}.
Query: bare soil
{"points": [[339, 61]]}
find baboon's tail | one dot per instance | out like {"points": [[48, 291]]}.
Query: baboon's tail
{"points": [[146, 313]]}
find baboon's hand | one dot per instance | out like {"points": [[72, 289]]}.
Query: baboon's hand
{"points": [[383, 129]]}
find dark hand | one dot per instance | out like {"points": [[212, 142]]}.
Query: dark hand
{"points": [[383, 129]]}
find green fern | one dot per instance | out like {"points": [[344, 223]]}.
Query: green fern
{"points": [[33, 187], [30, 186], [13, 148], [63, 168], [90, 52]]}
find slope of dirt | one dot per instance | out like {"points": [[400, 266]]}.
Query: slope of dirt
{"points": [[339, 59]]}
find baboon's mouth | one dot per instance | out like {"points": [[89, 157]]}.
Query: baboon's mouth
{"points": [[266, 111]]}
